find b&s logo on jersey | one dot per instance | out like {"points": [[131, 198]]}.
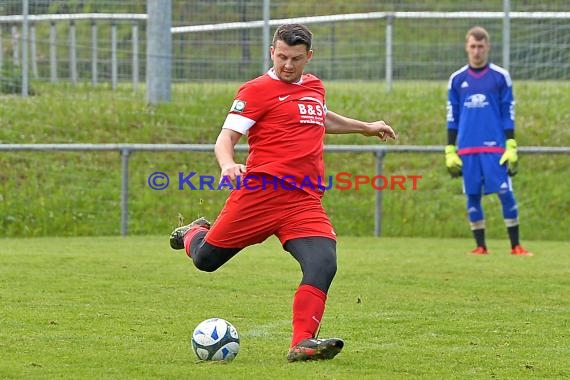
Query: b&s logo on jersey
{"points": [[476, 101], [312, 113], [238, 106]]}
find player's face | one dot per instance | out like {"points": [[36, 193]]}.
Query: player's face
{"points": [[289, 61], [477, 51]]}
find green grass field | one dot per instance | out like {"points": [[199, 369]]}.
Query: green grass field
{"points": [[124, 308]]}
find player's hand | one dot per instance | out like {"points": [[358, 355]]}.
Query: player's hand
{"points": [[382, 130], [453, 161], [232, 171], [510, 157]]}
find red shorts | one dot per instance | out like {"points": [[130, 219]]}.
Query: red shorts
{"points": [[251, 216]]}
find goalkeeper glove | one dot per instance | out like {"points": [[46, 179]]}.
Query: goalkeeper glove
{"points": [[453, 161], [510, 157]]}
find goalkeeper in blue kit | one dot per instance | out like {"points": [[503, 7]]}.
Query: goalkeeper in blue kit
{"points": [[481, 145]]}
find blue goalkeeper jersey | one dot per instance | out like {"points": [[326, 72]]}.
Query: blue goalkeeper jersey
{"points": [[480, 106]]}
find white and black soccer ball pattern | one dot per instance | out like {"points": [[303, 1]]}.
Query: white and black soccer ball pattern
{"points": [[215, 339]]}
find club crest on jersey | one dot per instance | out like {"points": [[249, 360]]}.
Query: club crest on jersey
{"points": [[238, 106], [476, 101]]}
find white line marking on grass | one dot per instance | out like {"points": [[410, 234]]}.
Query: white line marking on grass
{"points": [[269, 329]]}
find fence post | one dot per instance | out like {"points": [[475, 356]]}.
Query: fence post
{"points": [[266, 37], [159, 50], [93, 52], [125, 152], [52, 52], [114, 63], [379, 159], [389, 29], [34, 50], [72, 53], [506, 34], [1, 51], [15, 45], [25, 47], [135, 38]]}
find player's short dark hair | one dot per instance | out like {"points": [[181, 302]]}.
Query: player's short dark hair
{"points": [[293, 34]]}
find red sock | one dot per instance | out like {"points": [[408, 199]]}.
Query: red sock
{"points": [[190, 235], [308, 309]]}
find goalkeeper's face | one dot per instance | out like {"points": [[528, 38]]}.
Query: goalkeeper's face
{"points": [[477, 51], [289, 61]]}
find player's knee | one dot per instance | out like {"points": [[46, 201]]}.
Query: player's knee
{"points": [[474, 208], [321, 275], [205, 258], [510, 209], [329, 266], [507, 197], [208, 257], [205, 263]]}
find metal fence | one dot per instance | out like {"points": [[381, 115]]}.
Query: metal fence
{"points": [[379, 43], [126, 150]]}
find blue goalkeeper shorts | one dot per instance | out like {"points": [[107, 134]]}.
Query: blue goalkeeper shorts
{"points": [[482, 174]]}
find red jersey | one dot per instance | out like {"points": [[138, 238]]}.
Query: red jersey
{"points": [[285, 124]]}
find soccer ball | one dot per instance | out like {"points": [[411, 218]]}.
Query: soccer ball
{"points": [[215, 339]]}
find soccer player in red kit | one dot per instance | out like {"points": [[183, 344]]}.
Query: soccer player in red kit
{"points": [[284, 115]]}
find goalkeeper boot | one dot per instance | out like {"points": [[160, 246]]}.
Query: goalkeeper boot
{"points": [[177, 236], [479, 251], [315, 349], [518, 250]]}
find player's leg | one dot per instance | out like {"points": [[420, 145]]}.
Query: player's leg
{"points": [[206, 257], [498, 181], [317, 259], [510, 216], [310, 298], [476, 218], [242, 222], [472, 187], [306, 232]]}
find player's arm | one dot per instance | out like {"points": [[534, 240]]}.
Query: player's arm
{"points": [[507, 105], [453, 162], [510, 157], [235, 126], [451, 136], [224, 150], [338, 124]]}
